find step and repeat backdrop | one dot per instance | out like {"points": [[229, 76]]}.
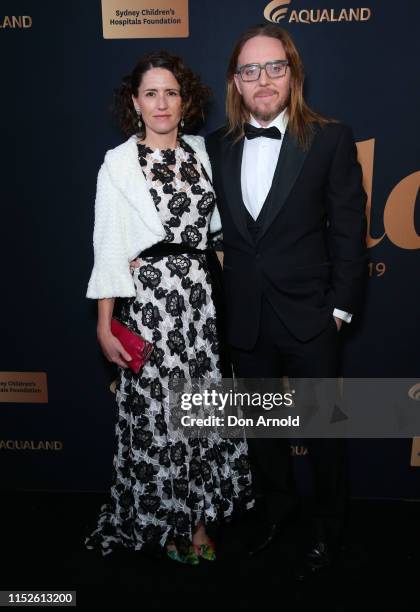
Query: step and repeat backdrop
{"points": [[61, 63]]}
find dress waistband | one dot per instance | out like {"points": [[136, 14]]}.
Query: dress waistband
{"points": [[161, 249]]}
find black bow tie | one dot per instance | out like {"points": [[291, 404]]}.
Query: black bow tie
{"points": [[253, 132]]}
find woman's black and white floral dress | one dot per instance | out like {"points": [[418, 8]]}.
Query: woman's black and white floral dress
{"points": [[163, 486]]}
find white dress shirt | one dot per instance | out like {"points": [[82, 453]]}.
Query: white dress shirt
{"points": [[259, 160]]}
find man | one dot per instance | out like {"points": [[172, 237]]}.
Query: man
{"points": [[290, 195]]}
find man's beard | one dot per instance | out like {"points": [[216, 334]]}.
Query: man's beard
{"points": [[269, 115]]}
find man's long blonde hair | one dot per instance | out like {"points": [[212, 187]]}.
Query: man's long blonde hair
{"points": [[301, 117]]}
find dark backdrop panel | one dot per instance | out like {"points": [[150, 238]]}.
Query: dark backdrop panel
{"points": [[58, 78]]}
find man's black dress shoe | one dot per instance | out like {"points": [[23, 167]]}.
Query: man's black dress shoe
{"points": [[265, 540], [315, 560]]}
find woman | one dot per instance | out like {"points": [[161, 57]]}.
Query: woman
{"points": [[155, 200]]}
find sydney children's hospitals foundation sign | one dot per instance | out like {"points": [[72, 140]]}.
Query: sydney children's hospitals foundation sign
{"points": [[145, 19]]}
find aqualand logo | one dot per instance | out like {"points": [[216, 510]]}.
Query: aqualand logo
{"points": [[15, 22], [277, 10], [414, 392]]}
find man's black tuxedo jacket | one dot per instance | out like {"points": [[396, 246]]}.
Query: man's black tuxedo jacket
{"points": [[309, 255]]}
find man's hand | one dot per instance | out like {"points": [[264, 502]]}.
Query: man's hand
{"points": [[135, 263], [338, 322]]}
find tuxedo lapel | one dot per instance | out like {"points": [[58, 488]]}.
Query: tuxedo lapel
{"points": [[231, 168], [289, 165]]}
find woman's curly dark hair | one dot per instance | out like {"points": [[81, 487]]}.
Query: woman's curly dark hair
{"points": [[194, 94]]}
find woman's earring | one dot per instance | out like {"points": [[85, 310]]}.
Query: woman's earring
{"points": [[182, 123], [140, 122]]}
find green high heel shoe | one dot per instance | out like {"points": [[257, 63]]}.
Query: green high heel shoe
{"points": [[206, 551], [190, 558]]}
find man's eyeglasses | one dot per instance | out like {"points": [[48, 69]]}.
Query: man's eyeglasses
{"points": [[252, 72]]}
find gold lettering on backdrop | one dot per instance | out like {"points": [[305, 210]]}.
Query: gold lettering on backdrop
{"points": [[315, 15], [365, 14], [365, 153], [415, 453], [376, 269], [304, 16], [16, 22], [46, 445], [399, 213], [343, 15], [399, 207], [276, 10], [294, 17], [324, 15]]}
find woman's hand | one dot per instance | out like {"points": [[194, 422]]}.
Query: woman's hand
{"points": [[135, 263], [112, 348]]}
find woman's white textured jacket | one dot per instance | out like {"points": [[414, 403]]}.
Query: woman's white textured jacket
{"points": [[126, 219]]}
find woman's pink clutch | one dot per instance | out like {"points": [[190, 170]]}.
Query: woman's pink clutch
{"points": [[139, 348]]}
